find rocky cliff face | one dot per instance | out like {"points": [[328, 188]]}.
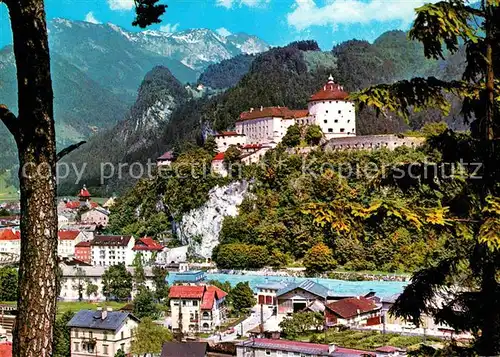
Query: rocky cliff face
{"points": [[200, 228]]}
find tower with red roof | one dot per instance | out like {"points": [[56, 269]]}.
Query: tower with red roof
{"points": [[84, 194], [333, 111]]}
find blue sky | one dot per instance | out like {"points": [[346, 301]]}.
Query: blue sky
{"points": [[276, 21]]}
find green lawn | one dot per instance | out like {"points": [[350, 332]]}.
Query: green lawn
{"points": [[7, 192], [64, 306]]}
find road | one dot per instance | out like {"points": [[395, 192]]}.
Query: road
{"points": [[246, 325]]}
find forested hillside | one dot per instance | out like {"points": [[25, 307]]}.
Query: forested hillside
{"points": [[227, 73]]}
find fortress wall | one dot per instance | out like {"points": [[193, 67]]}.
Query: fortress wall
{"points": [[371, 142]]}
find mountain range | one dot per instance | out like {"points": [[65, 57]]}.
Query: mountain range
{"points": [[98, 68]]}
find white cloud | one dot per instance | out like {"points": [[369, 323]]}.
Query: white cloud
{"points": [[169, 28], [306, 13], [228, 4], [121, 5], [224, 32], [91, 18]]}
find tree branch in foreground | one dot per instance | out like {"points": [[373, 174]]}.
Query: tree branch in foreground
{"points": [[69, 149], [9, 119]]}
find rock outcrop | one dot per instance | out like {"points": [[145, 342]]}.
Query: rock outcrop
{"points": [[200, 228]]}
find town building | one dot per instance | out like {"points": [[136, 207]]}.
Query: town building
{"points": [[297, 297], [67, 240], [74, 274], [356, 311], [166, 159], [178, 349], [10, 241], [218, 165], [225, 139], [148, 248], [112, 250], [263, 347], [266, 292], [196, 308], [83, 252], [97, 215], [101, 333]]}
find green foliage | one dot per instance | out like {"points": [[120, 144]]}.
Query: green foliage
{"points": [[240, 256], [145, 305], [227, 73], [300, 323], [8, 284], [91, 290], [149, 337], [120, 353], [139, 276], [241, 297], [160, 283], [79, 282], [292, 136], [319, 259], [314, 134], [62, 335], [117, 283]]}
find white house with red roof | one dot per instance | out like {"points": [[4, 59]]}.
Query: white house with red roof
{"points": [[332, 111], [355, 311], [166, 159], [197, 308], [10, 241], [149, 249], [218, 165], [225, 139], [67, 240]]}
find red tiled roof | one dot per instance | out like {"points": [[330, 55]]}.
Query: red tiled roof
{"points": [[6, 349], [213, 293], [84, 192], [228, 133], [186, 292], [83, 245], [73, 204], [169, 155], [67, 235], [219, 157], [147, 243], [9, 234], [330, 91], [279, 112], [347, 308], [94, 204]]}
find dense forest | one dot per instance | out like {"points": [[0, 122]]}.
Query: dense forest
{"points": [[227, 73]]}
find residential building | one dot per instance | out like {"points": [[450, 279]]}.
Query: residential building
{"points": [[356, 311], [178, 349], [10, 241], [67, 241], [266, 293], [98, 216], [149, 249], [218, 165], [74, 274], [227, 138], [101, 333], [166, 159], [197, 308], [83, 252], [112, 250], [332, 111], [296, 297], [267, 125], [263, 347]]}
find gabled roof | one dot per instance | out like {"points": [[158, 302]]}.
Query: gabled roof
{"points": [[169, 155], [330, 91], [92, 320], [273, 112], [184, 349], [147, 243], [67, 235], [219, 157], [83, 244], [73, 204], [186, 292], [307, 285], [84, 192], [9, 234], [121, 241], [211, 295], [350, 307]]}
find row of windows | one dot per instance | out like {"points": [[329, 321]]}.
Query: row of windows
{"points": [[342, 130]]}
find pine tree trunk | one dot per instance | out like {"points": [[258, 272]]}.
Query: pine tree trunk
{"points": [[35, 138]]}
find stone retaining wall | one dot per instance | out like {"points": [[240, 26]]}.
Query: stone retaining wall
{"points": [[371, 142]]}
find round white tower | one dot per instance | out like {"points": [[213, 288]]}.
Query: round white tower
{"points": [[332, 111]]}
